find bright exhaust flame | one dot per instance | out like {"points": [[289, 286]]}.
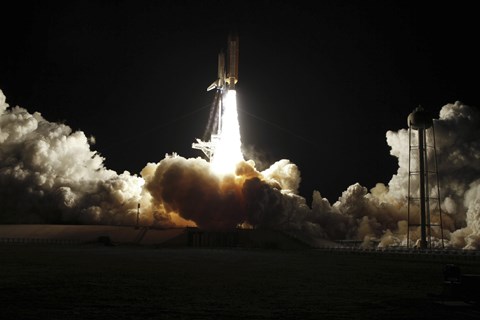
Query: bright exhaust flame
{"points": [[228, 151]]}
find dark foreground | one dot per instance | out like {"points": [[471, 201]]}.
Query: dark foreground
{"points": [[123, 282]]}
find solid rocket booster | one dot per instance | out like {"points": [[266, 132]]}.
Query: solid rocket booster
{"points": [[232, 73], [230, 77]]}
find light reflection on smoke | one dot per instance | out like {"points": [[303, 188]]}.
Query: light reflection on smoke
{"points": [[49, 174]]}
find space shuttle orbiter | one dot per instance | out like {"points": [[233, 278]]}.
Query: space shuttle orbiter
{"points": [[230, 76], [220, 82]]}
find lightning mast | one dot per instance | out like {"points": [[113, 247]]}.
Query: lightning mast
{"points": [[423, 193]]}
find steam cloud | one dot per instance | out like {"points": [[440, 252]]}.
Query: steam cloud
{"points": [[49, 174]]}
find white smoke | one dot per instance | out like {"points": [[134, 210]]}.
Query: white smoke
{"points": [[457, 133], [49, 174]]}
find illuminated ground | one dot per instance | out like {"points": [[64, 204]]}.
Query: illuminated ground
{"points": [[128, 282]]}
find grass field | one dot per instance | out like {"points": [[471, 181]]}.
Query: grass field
{"points": [[126, 282]]}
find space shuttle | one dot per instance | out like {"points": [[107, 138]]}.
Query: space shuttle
{"points": [[229, 77], [226, 80]]}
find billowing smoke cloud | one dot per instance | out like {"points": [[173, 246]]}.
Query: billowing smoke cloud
{"points": [[457, 137], [49, 174]]}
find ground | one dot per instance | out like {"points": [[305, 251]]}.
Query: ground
{"points": [[133, 282]]}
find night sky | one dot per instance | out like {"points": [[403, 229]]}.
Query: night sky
{"points": [[319, 83]]}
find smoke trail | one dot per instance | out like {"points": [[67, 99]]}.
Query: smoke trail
{"points": [[213, 124]]}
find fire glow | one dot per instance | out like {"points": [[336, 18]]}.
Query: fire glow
{"points": [[228, 147]]}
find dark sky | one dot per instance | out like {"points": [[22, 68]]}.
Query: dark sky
{"points": [[319, 84]]}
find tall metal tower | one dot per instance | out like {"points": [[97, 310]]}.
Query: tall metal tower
{"points": [[423, 185]]}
